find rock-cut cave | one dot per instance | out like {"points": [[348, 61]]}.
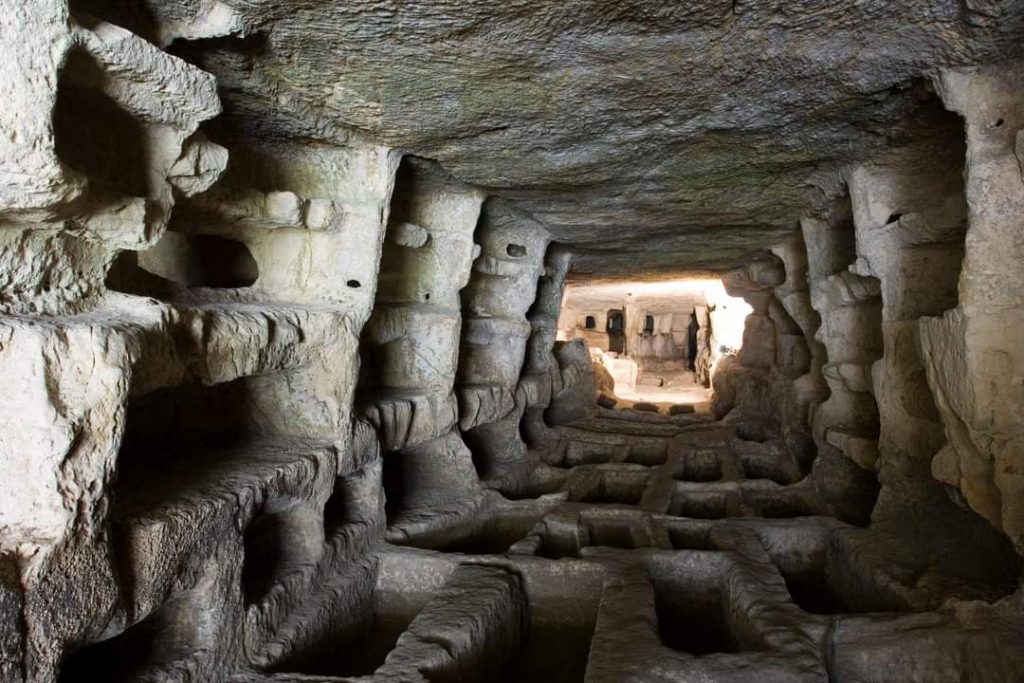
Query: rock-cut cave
{"points": [[453, 341]]}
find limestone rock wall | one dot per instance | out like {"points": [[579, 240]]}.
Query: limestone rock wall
{"points": [[852, 349], [290, 408], [221, 355], [703, 363], [846, 424], [972, 352], [182, 417], [759, 379]]}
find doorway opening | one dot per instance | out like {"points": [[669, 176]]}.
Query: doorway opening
{"points": [[616, 331]]}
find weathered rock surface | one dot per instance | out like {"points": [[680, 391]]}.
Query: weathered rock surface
{"points": [[288, 398], [696, 127]]}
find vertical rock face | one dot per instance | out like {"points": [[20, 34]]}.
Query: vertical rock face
{"points": [[172, 445], [96, 122], [287, 404], [972, 351]]}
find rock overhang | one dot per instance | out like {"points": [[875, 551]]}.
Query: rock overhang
{"points": [[683, 135]]}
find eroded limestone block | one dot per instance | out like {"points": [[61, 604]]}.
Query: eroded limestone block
{"points": [[576, 398], [63, 420], [853, 376], [414, 347], [860, 448], [311, 216], [36, 38], [429, 250], [216, 342], [759, 342], [931, 646], [434, 473], [207, 19], [511, 261], [87, 173], [498, 448], [403, 421], [493, 350], [543, 334], [535, 390], [482, 403], [974, 440]]}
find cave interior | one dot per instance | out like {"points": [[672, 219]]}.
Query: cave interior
{"points": [[472, 342]]}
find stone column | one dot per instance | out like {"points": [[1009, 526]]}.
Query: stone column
{"points": [[703, 361], [501, 290], [794, 296], [411, 344], [759, 379], [910, 218], [845, 426], [542, 378], [974, 353]]}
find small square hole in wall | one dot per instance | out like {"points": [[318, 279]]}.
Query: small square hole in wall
{"points": [[515, 250], [189, 260]]}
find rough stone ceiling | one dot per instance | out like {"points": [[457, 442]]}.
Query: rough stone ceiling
{"points": [[653, 136]]}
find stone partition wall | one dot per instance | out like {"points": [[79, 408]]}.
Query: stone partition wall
{"points": [[910, 218], [707, 344], [72, 351]]}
